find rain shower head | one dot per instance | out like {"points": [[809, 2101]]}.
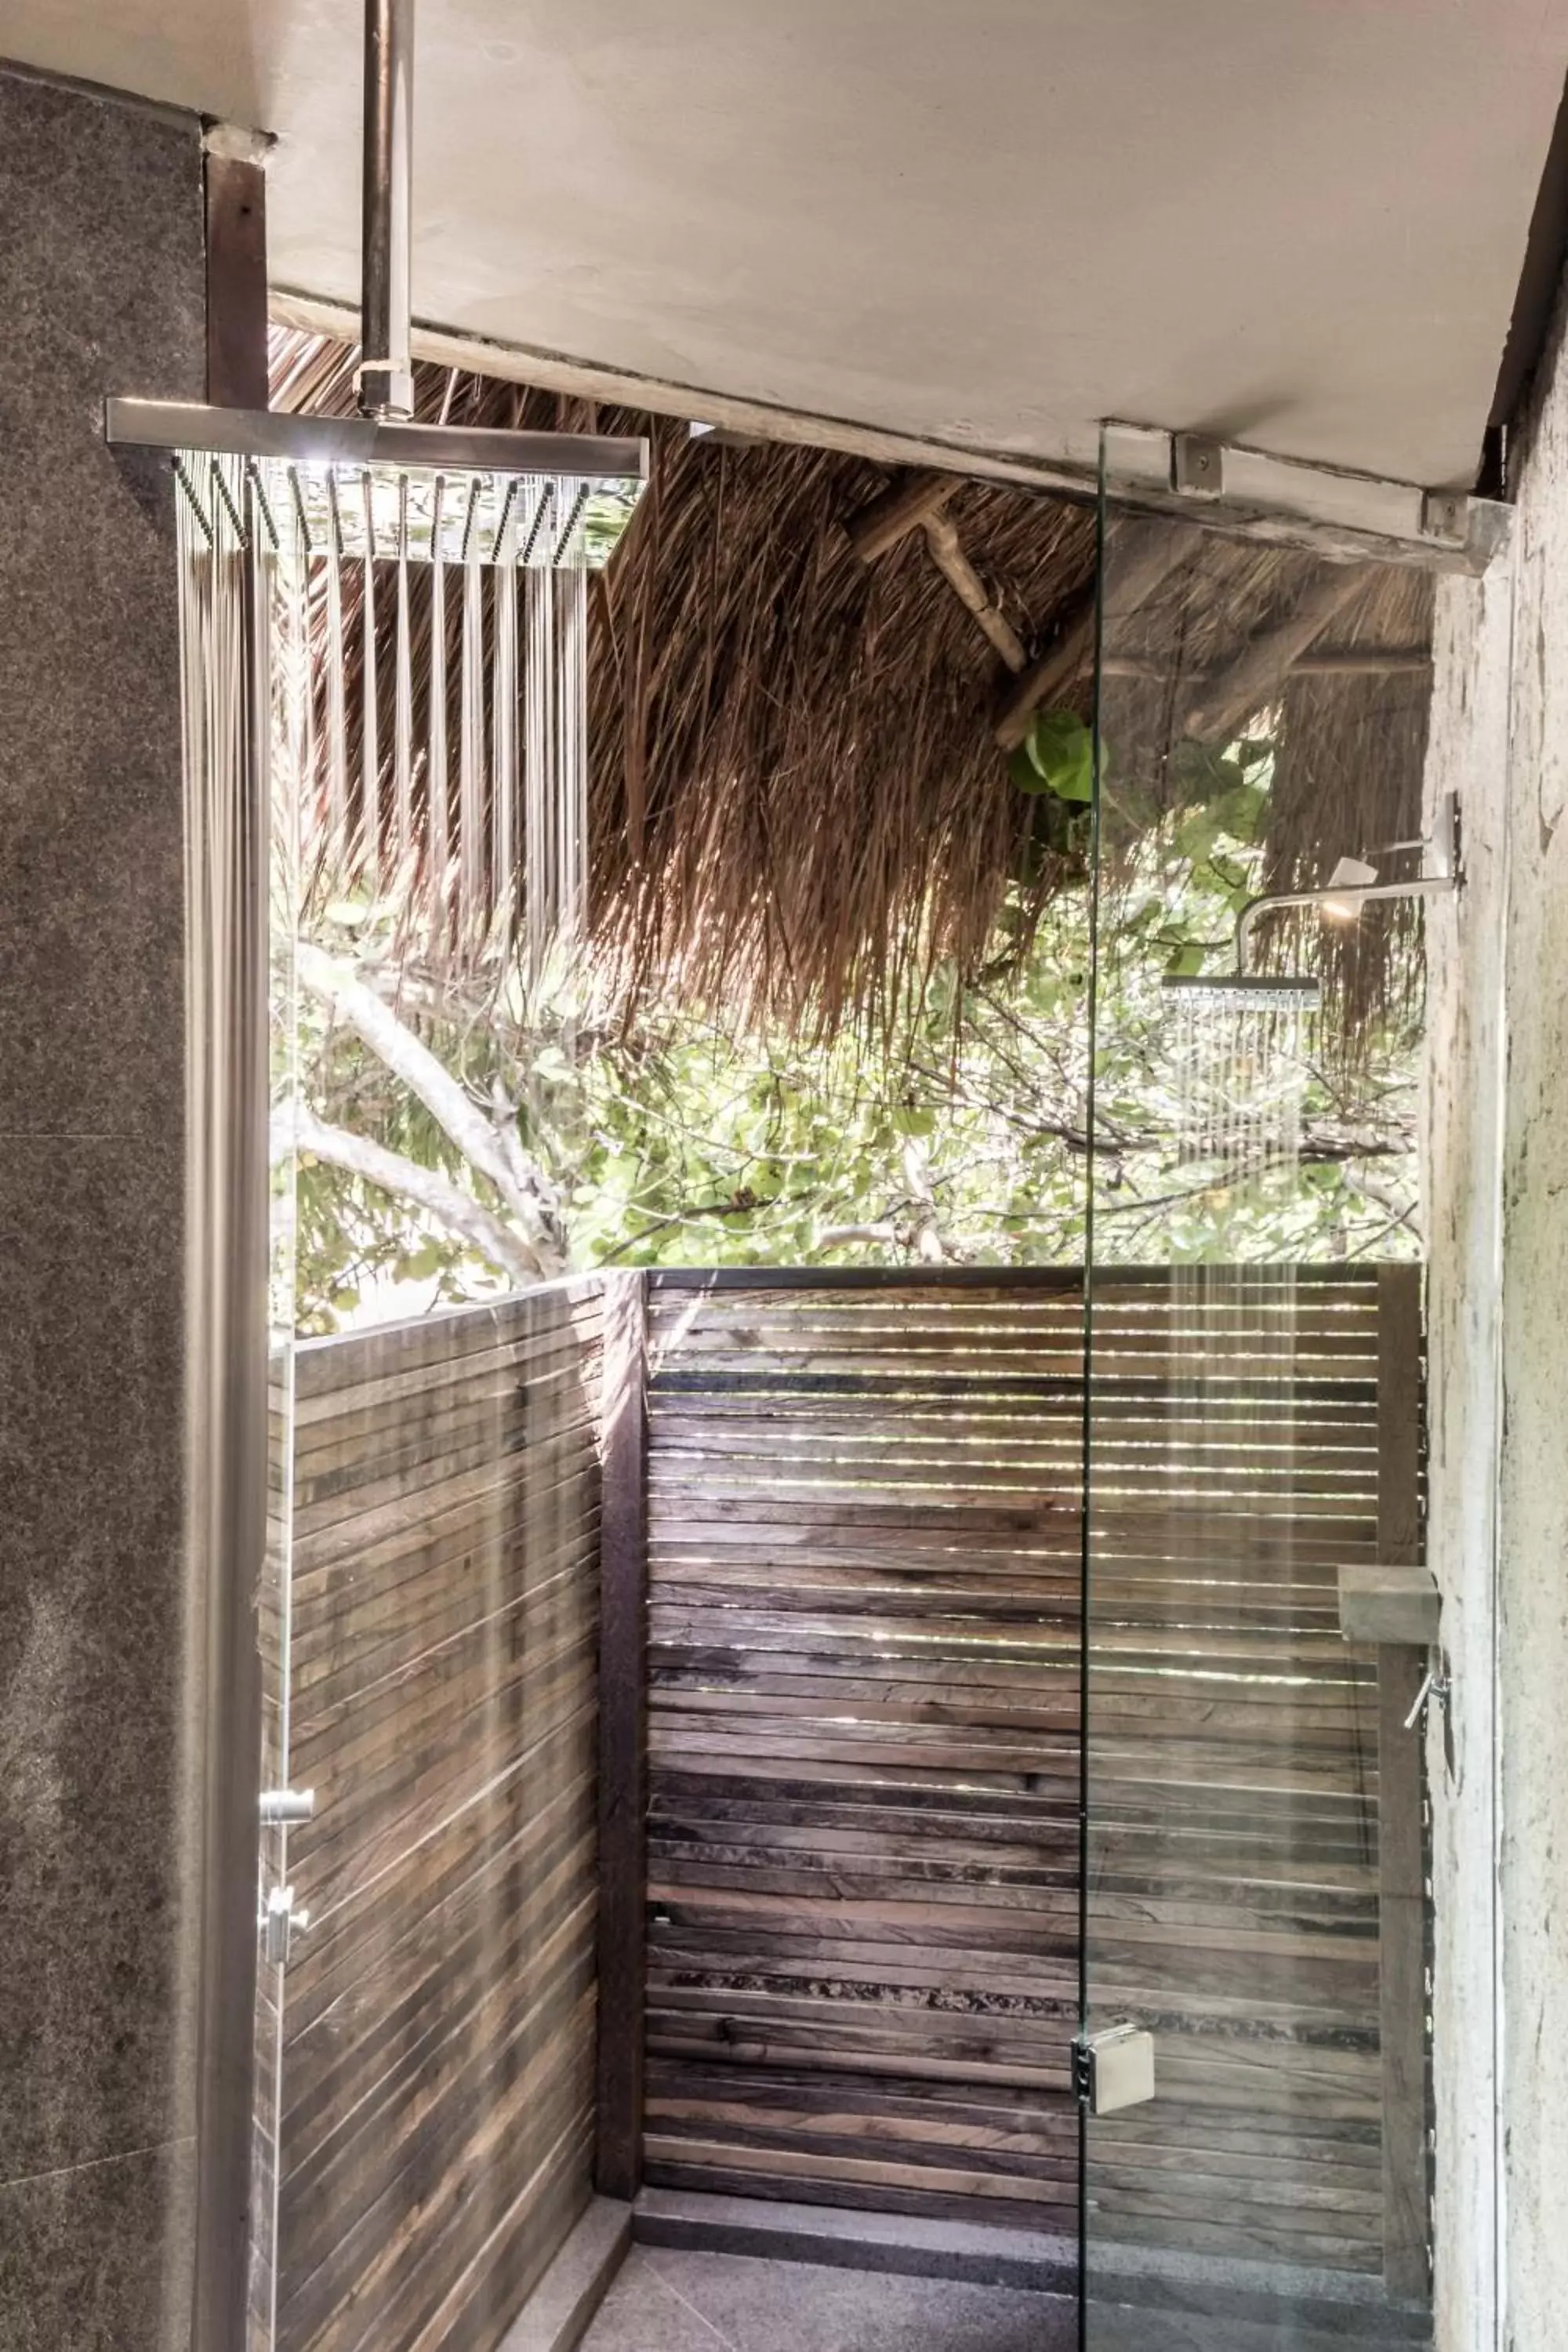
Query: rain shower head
{"points": [[554, 501], [1243, 992]]}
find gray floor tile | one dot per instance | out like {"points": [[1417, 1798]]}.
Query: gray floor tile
{"points": [[669, 2301]]}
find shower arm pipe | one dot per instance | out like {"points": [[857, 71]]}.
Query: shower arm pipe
{"points": [[1426, 885], [386, 361], [383, 433]]}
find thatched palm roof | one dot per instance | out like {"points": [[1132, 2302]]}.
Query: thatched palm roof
{"points": [[798, 801]]}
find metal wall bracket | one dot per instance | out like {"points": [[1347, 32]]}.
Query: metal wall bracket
{"points": [[1286, 502]]}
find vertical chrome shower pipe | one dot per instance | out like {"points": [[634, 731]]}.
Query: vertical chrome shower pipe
{"points": [[387, 364]]}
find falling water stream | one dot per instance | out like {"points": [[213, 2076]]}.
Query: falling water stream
{"points": [[462, 792]]}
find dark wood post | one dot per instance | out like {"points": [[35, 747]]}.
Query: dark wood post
{"points": [[235, 195], [623, 1741], [1402, 1874]]}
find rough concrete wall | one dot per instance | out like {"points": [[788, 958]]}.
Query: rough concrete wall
{"points": [[1462, 1188], [100, 290], [1499, 1173], [1533, 1555]]}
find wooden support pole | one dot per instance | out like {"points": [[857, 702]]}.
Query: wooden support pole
{"points": [[1055, 670], [1233, 695], [1348, 661], [1137, 568], [1402, 1994], [235, 183], [898, 510], [948, 555], [623, 1742], [1366, 661]]}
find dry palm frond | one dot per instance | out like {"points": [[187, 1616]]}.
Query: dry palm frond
{"points": [[797, 806]]}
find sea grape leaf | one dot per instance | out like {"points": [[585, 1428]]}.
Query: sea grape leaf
{"points": [[1062, 749]]}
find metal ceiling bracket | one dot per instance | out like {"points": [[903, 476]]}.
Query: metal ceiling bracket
{"points": [[1284, 501], [1197, 466], [602, 475], [1445, 516]]}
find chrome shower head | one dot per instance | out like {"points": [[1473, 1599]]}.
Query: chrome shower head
{"points": [[1245, 992]]}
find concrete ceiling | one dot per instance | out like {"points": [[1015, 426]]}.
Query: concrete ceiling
{"points": [[992, 222]]}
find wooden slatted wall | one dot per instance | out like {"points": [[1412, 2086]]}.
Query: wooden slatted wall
{"points": [[864, 1544], [1234, 1785], [864, 1582], [436, 2110]]}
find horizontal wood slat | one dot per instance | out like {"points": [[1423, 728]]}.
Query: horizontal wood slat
{"points": [[1233, 1843], [438, 2013], [864, 1536], [864, 1531]]}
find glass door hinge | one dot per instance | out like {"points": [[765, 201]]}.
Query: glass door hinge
{"points": [[279, 1921]]}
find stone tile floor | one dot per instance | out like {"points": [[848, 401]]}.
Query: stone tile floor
{"points": [[667, 2300]]}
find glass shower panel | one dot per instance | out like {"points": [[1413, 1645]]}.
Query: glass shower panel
{"points": [[1255, 2169]]}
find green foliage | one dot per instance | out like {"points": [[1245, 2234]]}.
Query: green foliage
{"points": [[1056, 756], [684, 1143]]}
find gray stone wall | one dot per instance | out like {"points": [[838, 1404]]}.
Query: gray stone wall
{"points": [[100, 289], [1497, 1163]]}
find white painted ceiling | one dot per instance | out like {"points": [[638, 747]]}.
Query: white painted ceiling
{"points": [[1297, 223]]}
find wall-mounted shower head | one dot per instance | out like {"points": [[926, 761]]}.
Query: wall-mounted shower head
{"points": [[1243, 992], [1352, 884]]}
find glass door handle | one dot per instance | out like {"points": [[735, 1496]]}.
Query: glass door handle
{"points": [[1114, 2069]]}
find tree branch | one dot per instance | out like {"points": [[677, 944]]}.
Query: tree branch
{"points": [[392, 1173], [1383, 1196], [523, 1186], [845, 1236]]}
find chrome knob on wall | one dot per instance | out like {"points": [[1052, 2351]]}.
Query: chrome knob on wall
{"points": [[1434, 1692]]}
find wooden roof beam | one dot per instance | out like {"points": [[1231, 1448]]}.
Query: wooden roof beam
{"points": [[948, 555], [1133, 581], [903, 508], [1255, 677]]}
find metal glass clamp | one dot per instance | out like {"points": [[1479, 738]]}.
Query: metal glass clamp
{"points": [[1197, 466], [281, 1806], [1114, 2069]]}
